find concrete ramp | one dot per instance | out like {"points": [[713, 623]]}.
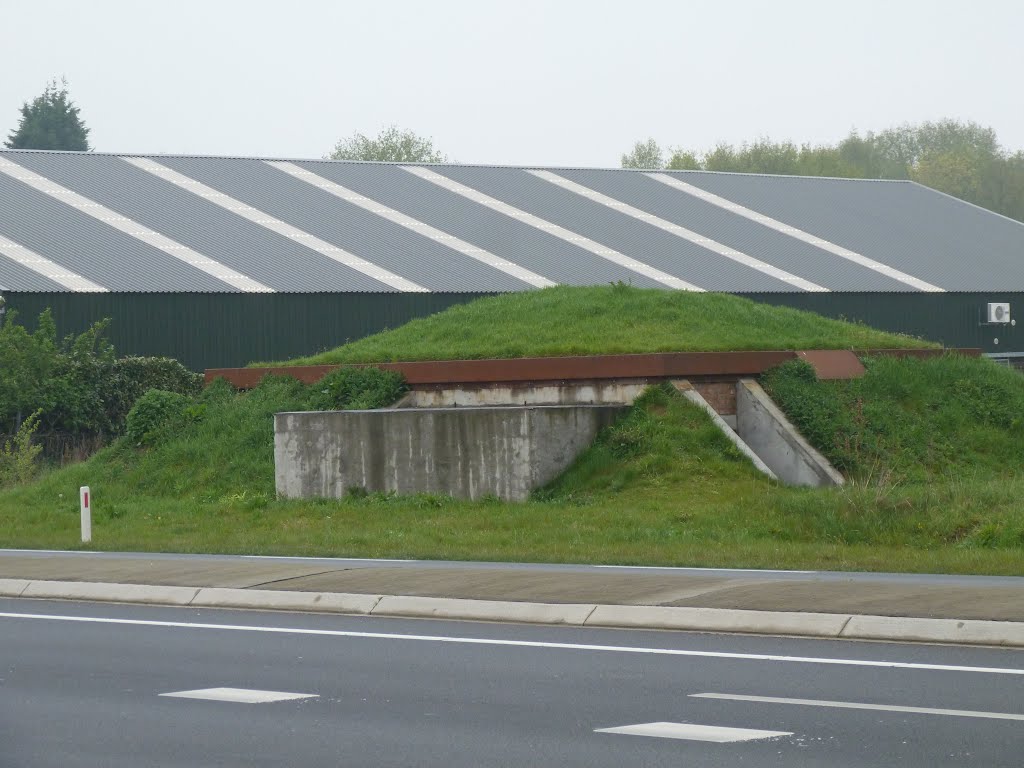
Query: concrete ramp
{"points": [[764, 427]]}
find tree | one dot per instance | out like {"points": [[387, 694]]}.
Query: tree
{"points": [[391, 145], [962, 159], [683, 160], [50, 121], [646, 155]]}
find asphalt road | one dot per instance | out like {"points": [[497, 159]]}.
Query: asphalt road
{"points": [[85, 685]]}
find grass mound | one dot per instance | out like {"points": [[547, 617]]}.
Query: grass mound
{"points": [[615, 319]]}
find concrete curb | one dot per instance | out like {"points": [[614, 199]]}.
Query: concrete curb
{"points": [[820, 625], [719, 620], [572, 614], [274, 600]]}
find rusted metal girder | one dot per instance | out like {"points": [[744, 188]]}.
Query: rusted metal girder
{"points": [[667, 365]]}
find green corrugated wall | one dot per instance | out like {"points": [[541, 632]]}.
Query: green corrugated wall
{"points": [[231, 329], [224, 330], [953, 319]]}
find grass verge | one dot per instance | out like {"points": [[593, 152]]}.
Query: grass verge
{"points": [[661, 488]]}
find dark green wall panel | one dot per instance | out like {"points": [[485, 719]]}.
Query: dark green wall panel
{"points": [[224, 330], [954, 319]]}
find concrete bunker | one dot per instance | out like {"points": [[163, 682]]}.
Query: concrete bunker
{"points": [[469, 453]]}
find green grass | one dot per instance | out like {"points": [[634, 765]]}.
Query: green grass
{"points": [[663, 487], [934, 449], [614, 319], [910, 420]]}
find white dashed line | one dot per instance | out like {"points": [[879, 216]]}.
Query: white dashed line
{"points": [[693, 732], [239, 695], [854, 705]]}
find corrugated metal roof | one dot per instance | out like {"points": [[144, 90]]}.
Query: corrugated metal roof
{"points": [[289, 235]]}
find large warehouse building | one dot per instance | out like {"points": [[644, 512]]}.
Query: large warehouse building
{"points": [[219, 261]]}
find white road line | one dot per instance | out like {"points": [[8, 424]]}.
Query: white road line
{"points": [[682, 232], [853, 705], [610, 254], [685, 568], [694, 732], [43, 266], [274, 224], [132, 228], [239, 695], [516, 643], [798, 234], [334, 559], [420, 227]]}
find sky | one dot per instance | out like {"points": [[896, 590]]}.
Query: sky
{"points": [[562, 82]]}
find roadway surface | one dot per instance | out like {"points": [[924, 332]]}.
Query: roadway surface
{"points": [[86, 685]]}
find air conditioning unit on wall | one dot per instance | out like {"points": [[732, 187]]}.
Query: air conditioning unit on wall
{"points": [[998, 312]]}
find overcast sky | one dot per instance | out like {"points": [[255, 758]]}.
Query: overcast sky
{"points": [[515, 81]]}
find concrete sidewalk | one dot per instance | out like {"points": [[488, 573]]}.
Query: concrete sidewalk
{"points": [[955, 610]]}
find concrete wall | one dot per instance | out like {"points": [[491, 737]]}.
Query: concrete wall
{"points": [[694, 395], [465, 452], [616, 392], [762, 425]]}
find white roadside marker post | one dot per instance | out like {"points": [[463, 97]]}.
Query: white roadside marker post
{"points": [[83, 495]]}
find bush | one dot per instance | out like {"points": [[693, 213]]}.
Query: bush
{"points": [[81, 390], [158, 414], [130, 377], [350, 388], [18, 455]]}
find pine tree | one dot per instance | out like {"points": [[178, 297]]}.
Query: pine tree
{"points": [[50, 121]]}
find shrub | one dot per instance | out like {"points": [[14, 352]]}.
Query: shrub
{"points": [[350, 388], [158, 414], [18, 455], [130, 377]]}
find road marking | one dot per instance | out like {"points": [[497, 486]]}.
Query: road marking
{"points": [[239, 695], [854, 705], [517, 643], [555, 230], [694, 732], [682, 232], [797, 234], [683, 568], [332, 559]]}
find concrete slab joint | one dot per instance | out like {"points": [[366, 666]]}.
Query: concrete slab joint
{"points": [[468, 453], [764, 427]]}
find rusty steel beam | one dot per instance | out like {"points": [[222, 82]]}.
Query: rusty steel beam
{"points": [[665, 365]]}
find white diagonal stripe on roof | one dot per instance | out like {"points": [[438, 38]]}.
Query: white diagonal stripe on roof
{"points": [[552, 229], [679, 231], [274, 224], [420, 227], [133, 228], [50, 269], [798, 234]]}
